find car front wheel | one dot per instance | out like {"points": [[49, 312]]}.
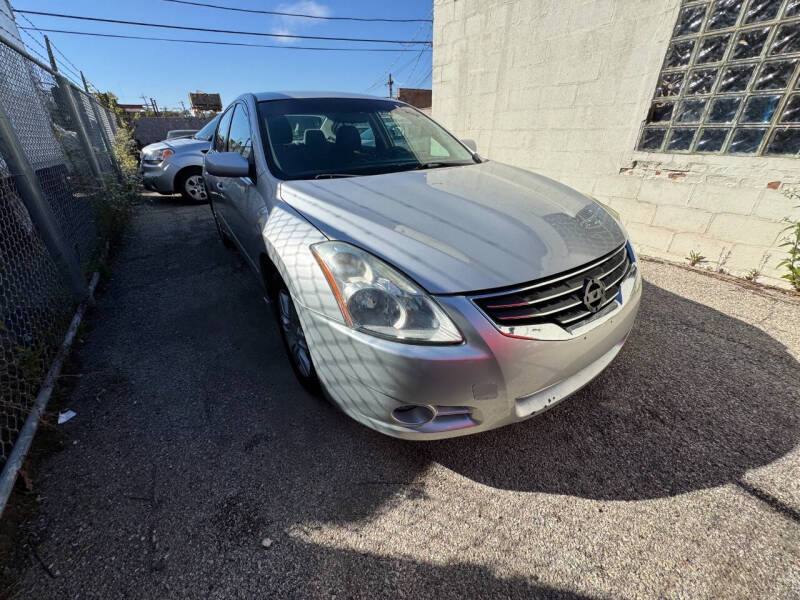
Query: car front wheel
{"points": [[191, 186], [294, 338]]}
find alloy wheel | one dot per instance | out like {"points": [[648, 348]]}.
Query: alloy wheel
{"points": [[295, 338], [195, 188]]}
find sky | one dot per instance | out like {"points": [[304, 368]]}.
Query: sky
{"points": [[168, 71]]}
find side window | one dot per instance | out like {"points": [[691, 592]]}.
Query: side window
{"points": [[239, 137], [221, 137]]}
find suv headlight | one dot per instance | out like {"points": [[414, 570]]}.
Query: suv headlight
{"points": [[159, 155], [376, 299]]}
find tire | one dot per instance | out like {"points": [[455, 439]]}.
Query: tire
{"points": [[226, 241], [190, 185], [293, 336]]}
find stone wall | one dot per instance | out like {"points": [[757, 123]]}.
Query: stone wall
{"points": [[147, 130], [562, 88]]}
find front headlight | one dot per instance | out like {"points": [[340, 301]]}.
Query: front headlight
{"points": [[158, 155], [377, 299]]}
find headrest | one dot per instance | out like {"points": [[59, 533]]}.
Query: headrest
{"points": [[280, 132], [348, 138], [314, 138]]}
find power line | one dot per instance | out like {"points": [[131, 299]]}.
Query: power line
{"points": [[41, 45], [186, 28], [278, 46], [394, 62], [45, 60], [413, 70], [71, 66], [305, 16], [425, 78]]}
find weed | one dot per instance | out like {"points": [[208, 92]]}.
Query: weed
{"points": [[114, 205], [752, 274], [695, 257], [792, 263], [791, 241]]}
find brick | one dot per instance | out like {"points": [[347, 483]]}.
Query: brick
{"points": [[744, 258], [684, 243], [617, 186], [631, 211], [647, 236], [745, 230], [682, 219], [664, 191], [724, 199], [776, 205]]}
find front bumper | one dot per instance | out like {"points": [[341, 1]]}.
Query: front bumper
{"points": [[488, 381], [157, 177]]}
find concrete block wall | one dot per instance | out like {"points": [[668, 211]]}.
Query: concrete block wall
{"points": [[562, 88]]}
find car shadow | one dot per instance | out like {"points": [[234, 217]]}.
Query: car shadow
{"points": [[695, 399], [194, 442]]}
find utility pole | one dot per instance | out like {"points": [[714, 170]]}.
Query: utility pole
{"points": [[155, 107], [183, 108], [390, 83]]}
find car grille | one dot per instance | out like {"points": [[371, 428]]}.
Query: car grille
{"points": [[557, 299]]}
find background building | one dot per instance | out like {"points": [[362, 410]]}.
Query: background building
{"points": [[421, 98], [683, 116]]}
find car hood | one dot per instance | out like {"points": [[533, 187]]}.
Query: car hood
{"points": [[461, 229], [177, 145]]}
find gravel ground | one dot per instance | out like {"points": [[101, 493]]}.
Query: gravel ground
{"points": [[674, 475]]}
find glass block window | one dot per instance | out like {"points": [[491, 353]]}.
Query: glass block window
{"points": [[730, 82]]}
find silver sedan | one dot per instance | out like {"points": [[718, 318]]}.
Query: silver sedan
{"points": [[424, 290]]}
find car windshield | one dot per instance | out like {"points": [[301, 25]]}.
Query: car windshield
{"points": [[340, 137], [207, 132]]}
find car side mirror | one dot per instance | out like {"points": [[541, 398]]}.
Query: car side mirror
{"points": [[470, 143], [227, 164]]}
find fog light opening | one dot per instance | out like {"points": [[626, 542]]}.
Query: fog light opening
{"points": [[414, 415]]}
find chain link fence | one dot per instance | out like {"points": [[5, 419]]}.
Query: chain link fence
{"points": [[55, 152]]}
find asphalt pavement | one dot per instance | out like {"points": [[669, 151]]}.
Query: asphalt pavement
{"points": [[197, 467]]}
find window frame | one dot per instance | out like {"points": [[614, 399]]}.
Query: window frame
{"points": [[236, 107], [660, 103], [216, 131]]}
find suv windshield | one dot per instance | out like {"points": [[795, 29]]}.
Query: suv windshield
{"points": [[340, 137], [207, 132]]}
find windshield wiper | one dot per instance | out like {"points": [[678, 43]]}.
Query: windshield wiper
{"points": [[434, 165], [333, 175]]}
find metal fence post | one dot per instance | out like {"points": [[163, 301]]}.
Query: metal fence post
{"points": [[74, 111], [72, 107], [33, 197], [102, 129]]}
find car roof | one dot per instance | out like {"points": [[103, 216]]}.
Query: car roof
{"points": [[285, 95]]}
